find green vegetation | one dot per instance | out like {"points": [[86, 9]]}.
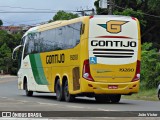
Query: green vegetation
{"points": [[7, 44], [150, 67], [1, 23], [150, 74], [143, 95], [61, 15]]}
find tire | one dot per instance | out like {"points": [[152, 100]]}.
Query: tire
{"points": [[67, 96], [59, 94], [159, 94], [102, 98], [28, 93], [115, 98]]}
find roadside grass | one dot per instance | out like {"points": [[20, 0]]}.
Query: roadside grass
{"points": [[143, 95]]}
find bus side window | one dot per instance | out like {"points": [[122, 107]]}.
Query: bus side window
{"points": [[36, 43], [77, 31], [22, 41], [30, 44], [26, 47], [69, 33], [82, 29]]}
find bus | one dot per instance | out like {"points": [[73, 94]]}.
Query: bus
{"points": [[94, 56]]}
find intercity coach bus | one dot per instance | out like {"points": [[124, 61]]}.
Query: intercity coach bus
{"points": [[93, 56]]}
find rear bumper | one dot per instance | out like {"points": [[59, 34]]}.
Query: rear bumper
{"points": [[103, 88]]}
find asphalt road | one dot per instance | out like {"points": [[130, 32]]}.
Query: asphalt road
{"points": [[12, 99]]}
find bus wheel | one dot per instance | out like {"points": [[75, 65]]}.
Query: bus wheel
{"points": [[102, 98], [28, 93], [115, 98], [68, 97], [58, 89]]}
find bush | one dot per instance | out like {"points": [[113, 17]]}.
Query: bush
{"points": [[150, 66], [7, 43]]}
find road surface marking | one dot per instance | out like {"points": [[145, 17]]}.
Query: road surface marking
{"points": [[46, 103], [5, 81], [105, 109], [22, 101], [73, 106], [4, 97], [12, 99], [102, 109]]}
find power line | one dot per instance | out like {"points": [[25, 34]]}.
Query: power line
{"points": [[24, 8], [28, 11], [32, 20], [54, 11], [103, 11], [2, 10], [23, 22], [151, 15], [38, 23]]}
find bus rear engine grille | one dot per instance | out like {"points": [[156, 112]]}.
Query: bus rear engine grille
{"points": [[113, 53]]}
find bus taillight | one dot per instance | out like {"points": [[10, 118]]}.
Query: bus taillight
{"points": [[91, 17], [86, 71], [137, 74]]}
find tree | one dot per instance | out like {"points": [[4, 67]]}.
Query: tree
{"points": [[147, 11], [1, 23], [62, 15], [150, 66], [7, 43], [153, 5], [5, 55]]}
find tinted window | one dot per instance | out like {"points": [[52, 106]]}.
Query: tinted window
{"points": [[60, 38], [22, 41]]}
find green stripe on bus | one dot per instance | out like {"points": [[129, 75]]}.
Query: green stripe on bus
{"points": [[37, 69]]}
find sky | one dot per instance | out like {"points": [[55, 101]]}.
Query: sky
{"points": [[52, 6]]}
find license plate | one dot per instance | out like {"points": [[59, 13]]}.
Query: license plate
{"points": [[112, 86]]}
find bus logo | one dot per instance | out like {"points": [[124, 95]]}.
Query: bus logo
{"points": [[113, 26]]}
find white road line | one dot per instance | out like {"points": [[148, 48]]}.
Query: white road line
{"points": [[24, 119], [46, 103], [5, 81], [3, 97], [105, 109], [102, 109], [73, 106], [22, 101], [12, 99]]}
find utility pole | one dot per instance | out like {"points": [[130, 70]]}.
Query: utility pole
{"points": [[83, 12], [110, 9], [107, 4]]}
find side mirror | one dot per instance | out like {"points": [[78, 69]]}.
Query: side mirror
{"points": [[15, 53]]}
